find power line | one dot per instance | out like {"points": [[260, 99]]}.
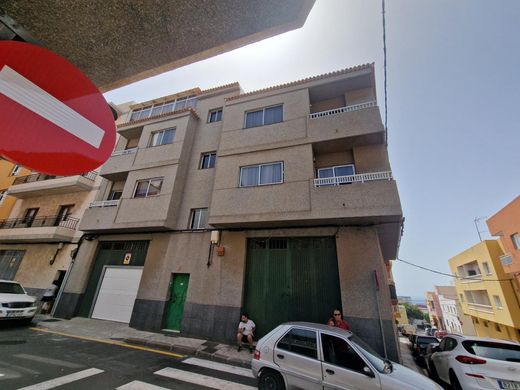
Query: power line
{"points": [[450, 275], [384, 69]]}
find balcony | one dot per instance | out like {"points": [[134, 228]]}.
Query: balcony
{"points": [[360, 178], [480, 307], [119, 163], [359, 120], [52, 228], [40, 184]]}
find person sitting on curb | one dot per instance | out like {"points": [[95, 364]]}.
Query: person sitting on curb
{"points": [[246, 327]]}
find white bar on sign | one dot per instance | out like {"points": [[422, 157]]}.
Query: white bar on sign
{"points": [[63, 380], [26, 93], [202, 380]]}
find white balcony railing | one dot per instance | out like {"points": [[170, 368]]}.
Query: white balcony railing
{"points": [[472, 278], [341, 110], [123, 152], [480, 307], [360, 178], [103, 203]]}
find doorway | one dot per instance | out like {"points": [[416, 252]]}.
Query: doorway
{"points": [[175, 309]]}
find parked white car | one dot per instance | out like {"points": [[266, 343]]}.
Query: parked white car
{"points": [[477, 363], [15, 303], [302, 355]]}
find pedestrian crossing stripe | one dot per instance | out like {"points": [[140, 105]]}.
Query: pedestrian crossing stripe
{"points": [[219, 367], [138, 385], [202, 380], [63, 380]]}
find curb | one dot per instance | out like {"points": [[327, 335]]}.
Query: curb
{"points": [[180, 349]]}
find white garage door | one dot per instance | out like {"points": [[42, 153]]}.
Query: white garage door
{"points": [[116, 296]]}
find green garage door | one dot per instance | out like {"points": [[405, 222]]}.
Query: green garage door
{"points": [[291, 279]]}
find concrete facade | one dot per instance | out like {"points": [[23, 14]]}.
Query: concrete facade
{"points": [[364, 216]]}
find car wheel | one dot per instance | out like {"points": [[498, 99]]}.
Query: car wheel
{"points": [[270, 380], [455, 384]]}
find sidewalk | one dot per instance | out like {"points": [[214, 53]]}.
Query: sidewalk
{"points": [[115, 331], [406, 356]]}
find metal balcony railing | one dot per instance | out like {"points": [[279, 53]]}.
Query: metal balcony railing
{"points": [[124, 152], [44, 221], [42, 176], [360, 178], [103, 203], [341, 110]]}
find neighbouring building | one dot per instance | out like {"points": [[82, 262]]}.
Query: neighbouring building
{"points": [[401, 316], [434, 309], [279, 202], [8, 173], [486, 292], [506, 225], [404, 299], [453, 318]]}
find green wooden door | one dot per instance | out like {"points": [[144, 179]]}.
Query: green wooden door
{"points": [[291, 279], [178, 291]]}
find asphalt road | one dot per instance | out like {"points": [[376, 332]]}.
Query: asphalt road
{"points": [[33, 360]]}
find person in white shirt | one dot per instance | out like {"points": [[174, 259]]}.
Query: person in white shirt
{"points": [[246, 329]]}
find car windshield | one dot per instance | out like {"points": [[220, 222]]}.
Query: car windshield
{"points": [[11, 288], [372, 356], [493, 350], [426, 340]]}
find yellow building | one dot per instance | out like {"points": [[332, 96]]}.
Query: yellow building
{"points": [[8, 173], [486, 292], [401, 316]]}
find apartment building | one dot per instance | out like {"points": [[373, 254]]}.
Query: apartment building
{"points": [[453, 318], [505, 224], [278, 202], [401, 316], [434, 309], [486, 292], [8, 173]]}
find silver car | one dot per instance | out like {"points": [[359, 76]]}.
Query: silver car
{"points": [[302, 355]]}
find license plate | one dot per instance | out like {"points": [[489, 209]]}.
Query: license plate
{"points": [[509, 385], [15, 314]]}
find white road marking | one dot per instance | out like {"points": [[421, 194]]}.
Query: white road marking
{"points": [[63, 380], [138, 385], [26, 93], [54, 362], [219, 367], [202, 380]]}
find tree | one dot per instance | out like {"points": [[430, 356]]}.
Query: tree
{"points": [[426, 317], [413, 312]]}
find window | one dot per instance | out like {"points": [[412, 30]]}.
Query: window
{"points": [[265, 116], [486, 268], [3, 194], [497, 327], [475, 320], [301, 342], [257, 175], [30, 215], [63, 213], [336, 172], [207, 160], [516, 240], [486, 324], [163, 108], [338, 352], [16, 170], [115, 195], [493, 350], [148, 187], [162, 137], [448, 344], [498, 302], [215, 115], [199, 219]]}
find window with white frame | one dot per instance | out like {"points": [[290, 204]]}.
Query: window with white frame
{"points": [[163, 108], [264, 116], [498, 302], [262, 174], [16, 170], [215, 115], [516, 240], [148, 187], [3, 194], [162, 137], [335, 173], [199, 218], [207, 160], [485, 265]]}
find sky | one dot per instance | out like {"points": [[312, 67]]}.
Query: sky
{"points": [[453, 100]]}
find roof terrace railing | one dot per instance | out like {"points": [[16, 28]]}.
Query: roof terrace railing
{"points": [[359, 178], [341, 110], [35, 177]]}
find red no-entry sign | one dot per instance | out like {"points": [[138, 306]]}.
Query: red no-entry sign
{"points": [[53, 119]]}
